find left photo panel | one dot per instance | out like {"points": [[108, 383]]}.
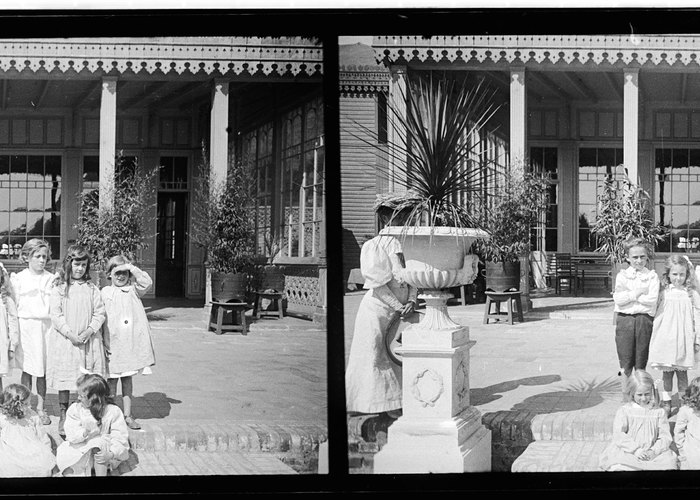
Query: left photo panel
{"points": [[162, 256]]}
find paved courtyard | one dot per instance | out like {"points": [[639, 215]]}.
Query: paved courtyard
{"points": [[240, 394]]}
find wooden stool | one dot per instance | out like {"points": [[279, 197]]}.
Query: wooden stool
{"points": [[507, 297], [238, 322], [277, 299]]}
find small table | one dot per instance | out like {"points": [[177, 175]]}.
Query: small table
{"points": [[509, 298], [238, 323]]}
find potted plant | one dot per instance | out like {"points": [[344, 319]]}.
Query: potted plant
{"points": [[436, 165], [225, 229], [509, 217], [625, 211], [118, 227]]}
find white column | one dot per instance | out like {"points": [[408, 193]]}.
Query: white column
{"points": [[518, 157], [518, 120], [218, 150], [108, 137], [218, 139], [631, 123], [395, 131]]}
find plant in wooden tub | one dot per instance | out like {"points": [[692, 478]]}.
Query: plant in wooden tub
{"points": [[224, 228], [508, 217]]}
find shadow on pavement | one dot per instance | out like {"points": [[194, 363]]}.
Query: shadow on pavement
{"points": [[511, 430], [150, 405], [158, 304], [480, 396]]}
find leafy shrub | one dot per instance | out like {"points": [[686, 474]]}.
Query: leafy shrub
{"points": [[225, 222], [624, 211], [120, 227]]}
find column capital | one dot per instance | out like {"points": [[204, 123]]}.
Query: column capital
{"points": [[631, 71]]}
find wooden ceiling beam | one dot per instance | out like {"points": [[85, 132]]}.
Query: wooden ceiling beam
{"points": [[547, 82], [145, 95], [614, 84], [581, 87], [38, 101], [87, 95], [181, 94], [684, 87]]}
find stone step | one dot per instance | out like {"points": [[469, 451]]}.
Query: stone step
{"points": [[205, 463], [296, 446], [560, 456]]}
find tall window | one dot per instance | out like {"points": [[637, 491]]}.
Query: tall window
{"points": [[30, 202], [257, 151], [595, 165], [544, 160], [172, 174], [677, 198], [303, 166]]}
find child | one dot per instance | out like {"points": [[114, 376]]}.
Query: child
{"points": [[635, 296], [686, 434], [674, 341], [96, 433], [77, 314], [25, 447], [9, 332], [127, 336], [641, 433], [32, 289]]}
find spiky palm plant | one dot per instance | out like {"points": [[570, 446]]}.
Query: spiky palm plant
{"points": [[432, 155]]}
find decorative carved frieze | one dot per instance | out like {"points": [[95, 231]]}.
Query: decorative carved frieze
{"points": [[567, 51], [210, 55]]}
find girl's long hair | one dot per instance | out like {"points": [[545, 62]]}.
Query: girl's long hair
{"points": [[74, 252], [682, 260], [692, 394], [13, 398], [639, 378], [96, 391]]}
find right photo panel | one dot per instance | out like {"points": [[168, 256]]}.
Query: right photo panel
{"points": [[520, 236]]}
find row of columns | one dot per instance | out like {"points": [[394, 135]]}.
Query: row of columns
{"points": [[218, 142], [518, 119]]}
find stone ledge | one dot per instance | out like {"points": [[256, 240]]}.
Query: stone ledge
{"points": [[560, 456]]}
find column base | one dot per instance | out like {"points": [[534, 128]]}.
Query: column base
{"points": [[430, 445]]}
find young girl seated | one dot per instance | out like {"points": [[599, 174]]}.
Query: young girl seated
{"points": [[25, 447], [96, 433], [641, 433], [686, 434]]}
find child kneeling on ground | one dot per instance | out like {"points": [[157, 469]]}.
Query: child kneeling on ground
{"points": [[96, 433], [641, 432]]}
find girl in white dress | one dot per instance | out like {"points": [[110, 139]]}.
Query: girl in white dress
{"points": [[674, 342], [32, 289], [77, 314], [25, 447], [686, 433], [372, 379], [641, 433], [96, 434], [9, 332], [127, 335]]}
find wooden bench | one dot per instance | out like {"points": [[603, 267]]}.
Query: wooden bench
{"points": [[593, 268]]}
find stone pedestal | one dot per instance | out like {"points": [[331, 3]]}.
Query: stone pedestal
{"points": [[439, 431]]}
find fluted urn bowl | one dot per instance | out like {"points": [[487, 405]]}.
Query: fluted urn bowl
{"points": [[436, 257]]}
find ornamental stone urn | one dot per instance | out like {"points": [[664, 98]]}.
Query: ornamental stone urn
{"points": [[438, 431]]}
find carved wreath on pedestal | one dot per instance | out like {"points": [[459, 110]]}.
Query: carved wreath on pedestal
{"points": [[427, 387]]}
